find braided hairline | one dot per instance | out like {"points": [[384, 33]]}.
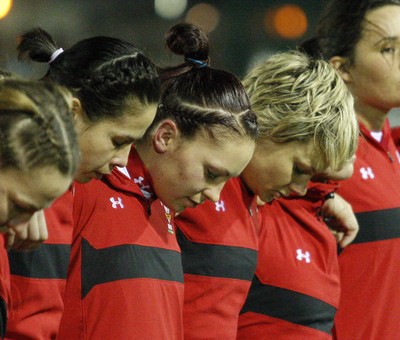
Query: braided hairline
{"points": [[115, 60], [207, 118], [51, 140]]}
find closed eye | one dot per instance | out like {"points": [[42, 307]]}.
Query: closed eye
{"points": [[388, 50], [300, 171], [211, 175], [120, 143]]}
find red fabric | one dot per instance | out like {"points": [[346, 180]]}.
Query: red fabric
{"points": [[396, 136], [370, 271], [5, 292], [213, 302], [257, 326], [289, 225], [36, 302], [122, 308]]}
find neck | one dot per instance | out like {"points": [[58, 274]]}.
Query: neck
{"points": [[146, 152], [372, 118]]}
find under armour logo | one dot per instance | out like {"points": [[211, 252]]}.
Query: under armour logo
{"points": [[116, 203], [143, 187], [220, 206], [367, 173], [139, 181], [303, 256]]}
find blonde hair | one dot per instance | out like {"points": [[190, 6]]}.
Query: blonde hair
{"points": [[297, 98]]}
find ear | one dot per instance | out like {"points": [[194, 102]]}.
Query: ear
{"points": [[77, 109], [166, 136], [341, 64]]}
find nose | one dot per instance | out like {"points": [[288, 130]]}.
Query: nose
{"points": [[121, 157], [299, 189], [213, 193]]}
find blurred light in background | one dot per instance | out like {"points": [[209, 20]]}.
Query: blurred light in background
{"points": [[204, 15], [288, 21], [5, 7], [169, 9]]}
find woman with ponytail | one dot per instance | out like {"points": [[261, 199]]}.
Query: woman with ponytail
{"points": [[115, 91]]}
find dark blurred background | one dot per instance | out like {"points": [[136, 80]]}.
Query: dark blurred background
{"points": [[241, 31]]}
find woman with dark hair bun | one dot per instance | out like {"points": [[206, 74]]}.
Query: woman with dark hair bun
{"points": [[115, 90], [362, 41], [125, 276]]}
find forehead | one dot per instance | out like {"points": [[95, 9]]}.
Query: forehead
{"points": [[282, 155], [302, 151], [131, 123], [382, 22], [229, 154]]}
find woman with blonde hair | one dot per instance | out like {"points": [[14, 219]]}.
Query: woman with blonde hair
{"points": [[307, 124]]}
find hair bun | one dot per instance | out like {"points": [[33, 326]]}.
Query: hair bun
{"points": [[188, 40]]}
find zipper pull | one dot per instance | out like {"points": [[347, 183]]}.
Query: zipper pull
{"points": [[390, 156]]}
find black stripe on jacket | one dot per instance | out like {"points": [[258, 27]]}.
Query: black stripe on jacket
{"points": [[48, 261], [128, 262], [290, 306], [378, 225], [217, 260]]}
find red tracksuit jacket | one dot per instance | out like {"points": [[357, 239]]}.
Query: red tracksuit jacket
{"points": [[370, 267], [125, 279], [295, 292], [38, 278], [219, 255]]}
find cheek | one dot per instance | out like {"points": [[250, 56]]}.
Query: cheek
{"points": [[98, 153], [278, 174], [95, 143], [374, 75]]}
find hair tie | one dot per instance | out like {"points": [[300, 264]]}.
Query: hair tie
{"points": [[55, 54], [197, 63]]}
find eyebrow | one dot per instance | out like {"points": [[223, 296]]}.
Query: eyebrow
{"points": [[385, 39], [126, 139]]}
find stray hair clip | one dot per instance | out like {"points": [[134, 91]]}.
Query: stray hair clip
{"points": [[197, 63]]}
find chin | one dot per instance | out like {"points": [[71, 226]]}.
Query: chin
{"points": [[266, 198], [177, 208]]}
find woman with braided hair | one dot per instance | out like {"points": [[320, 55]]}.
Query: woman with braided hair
{"points": [[125, 277], [115, 95], [39, 157]]}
